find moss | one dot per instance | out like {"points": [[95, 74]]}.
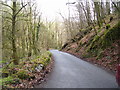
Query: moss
{"points": [[99, 31], [45, 58], [93, 43], [0, 70], [34, 66], [14, 74], [22, 74], [50, 54], [99, 54], [11, 68], [38, 56], [86, 55], [35, 60], [107, 26], [12, 65], [99, 43], [5, 72], [7, 80], [2, 61], [109, 37], [10, 80]]}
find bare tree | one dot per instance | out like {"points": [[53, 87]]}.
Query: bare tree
{"points": [[14, 16]]}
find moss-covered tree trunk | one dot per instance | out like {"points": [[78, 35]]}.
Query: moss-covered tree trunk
{"points": [[15, 58], [97, 10], [108, 8]]}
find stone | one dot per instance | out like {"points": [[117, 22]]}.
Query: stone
{"points": [[39, 68]]}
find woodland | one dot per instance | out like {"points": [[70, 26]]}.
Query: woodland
{"points": [[91, 33]]}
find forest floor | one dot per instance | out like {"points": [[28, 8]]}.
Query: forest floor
{"points": [[109, 59], [25, 75]]}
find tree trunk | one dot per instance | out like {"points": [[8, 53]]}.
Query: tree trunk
{"points": [[108, 8], [15, 58], [97, 10]]}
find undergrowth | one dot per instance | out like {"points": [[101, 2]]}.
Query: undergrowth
{"points": [[14, 74]]}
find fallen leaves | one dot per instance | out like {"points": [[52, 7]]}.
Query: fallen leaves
{"points": [[27, 75], [38, 78]]}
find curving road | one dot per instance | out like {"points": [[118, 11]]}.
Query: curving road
{"points": [[72, 72]]}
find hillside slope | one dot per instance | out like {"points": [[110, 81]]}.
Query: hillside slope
{"points": [[102, 49]]}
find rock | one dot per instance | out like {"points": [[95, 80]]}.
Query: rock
{"points": [[39, 68]]}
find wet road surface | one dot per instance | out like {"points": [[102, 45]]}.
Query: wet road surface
{"points": [[72, 72]]}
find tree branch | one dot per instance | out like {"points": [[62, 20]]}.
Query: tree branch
{"points": [[7, 5], [61, 16], [116, 6], [20, 9]]}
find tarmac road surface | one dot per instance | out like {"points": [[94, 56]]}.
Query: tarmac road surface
{"points": [[72, 72]]}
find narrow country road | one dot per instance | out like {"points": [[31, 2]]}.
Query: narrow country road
{"points": [[72, 72]]}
